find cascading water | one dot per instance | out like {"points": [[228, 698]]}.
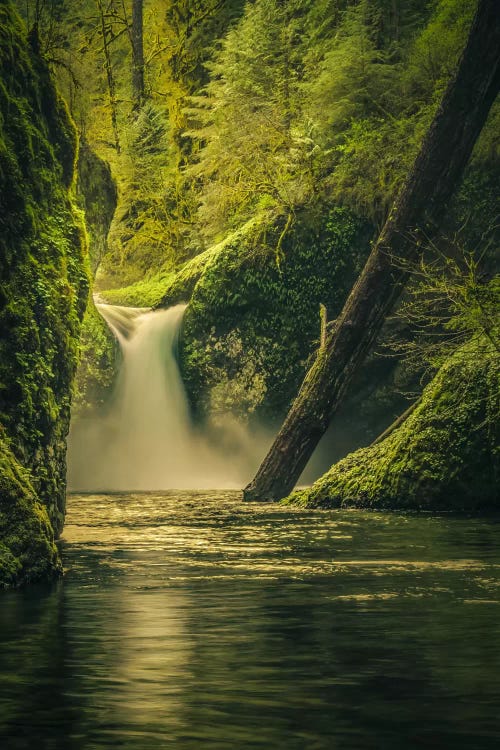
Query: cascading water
{"points": [[145, 440]]}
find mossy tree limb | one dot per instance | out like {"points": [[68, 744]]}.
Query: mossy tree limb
{"points": [[435, 174]]}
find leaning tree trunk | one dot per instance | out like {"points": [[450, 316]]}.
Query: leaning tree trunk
{"points": [[137, 53], [412, 220]]}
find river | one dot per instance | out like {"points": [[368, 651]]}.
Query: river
{"points": [[191, 620]]}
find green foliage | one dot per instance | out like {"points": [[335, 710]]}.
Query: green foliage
{"points": [[253, 155], [189, 32], [444, 456], [141, 234], [311, 100], [434, 54], [251, 106], [472, 218], [89, 46], [454, 293], [356, 75], [450, 302], [375, 96]]}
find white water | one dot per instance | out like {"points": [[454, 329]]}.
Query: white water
{"points": [[145, 439]]}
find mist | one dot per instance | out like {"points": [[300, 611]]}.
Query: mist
{"points": [[144, 439]]}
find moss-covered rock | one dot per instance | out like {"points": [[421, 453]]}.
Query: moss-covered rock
{"points": [[27, 548], [43, 295], [97, 195], [166, 287], [147, 292], [181, 286], [99, 353], [445, 456], [253, 317], [98, 365]]}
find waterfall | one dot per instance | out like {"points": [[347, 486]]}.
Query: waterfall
{"points": [[145, 439]]}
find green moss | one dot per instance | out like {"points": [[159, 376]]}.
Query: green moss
{"points": [[97, 369], [97, 196], [98, 353], [182, 285], [445, 455], [166, 287], [27, 549], [146, 293], [251, 323], [43, 266]]}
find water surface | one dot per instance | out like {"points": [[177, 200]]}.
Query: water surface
{"points": [[196, 621]]}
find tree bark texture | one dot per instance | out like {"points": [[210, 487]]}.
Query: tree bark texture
{"points": [[137, 53], [436, 172], [109, 75]]}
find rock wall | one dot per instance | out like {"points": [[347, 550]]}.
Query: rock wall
{"points": [[97, 195], [253, 318], [44, 285]]}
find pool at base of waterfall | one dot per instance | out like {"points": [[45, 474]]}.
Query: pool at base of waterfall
{"points": [[193, 620]]}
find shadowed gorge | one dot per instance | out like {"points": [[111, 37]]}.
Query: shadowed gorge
{"points": [[249, 374], [226, 177]]}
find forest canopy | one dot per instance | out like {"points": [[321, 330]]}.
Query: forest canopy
{"points": [[262, 107]]}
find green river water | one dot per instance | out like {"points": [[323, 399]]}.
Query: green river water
{"points": [[193, 620]]}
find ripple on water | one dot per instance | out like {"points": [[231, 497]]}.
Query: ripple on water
{"points": [[194, 620], [213, 534]]}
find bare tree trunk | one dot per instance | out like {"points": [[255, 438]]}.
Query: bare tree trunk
{"points": [[137, 54], [109, 75], [412, 220]]}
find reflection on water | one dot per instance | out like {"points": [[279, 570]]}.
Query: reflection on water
{"points": [[195, 621]]}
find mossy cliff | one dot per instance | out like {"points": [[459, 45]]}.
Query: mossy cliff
{"points": [[445, 456], [97, 368], [27, 548], [253, 317], [97, 195], [43, 295]]}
